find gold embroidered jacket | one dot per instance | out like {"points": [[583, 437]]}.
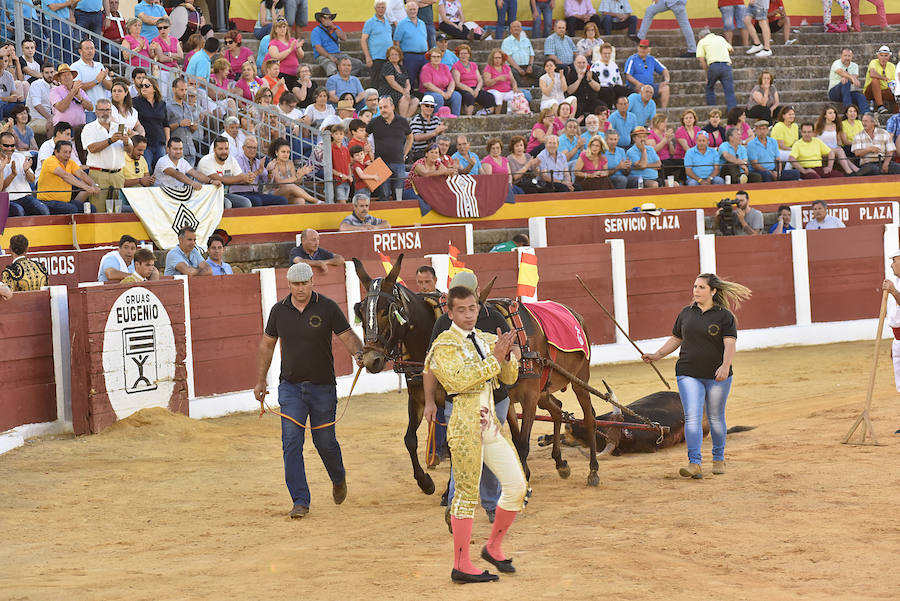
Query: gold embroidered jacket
{"points": [[24, 275], [456, 364]]}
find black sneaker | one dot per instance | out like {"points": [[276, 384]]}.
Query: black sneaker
{"points": [[339, 492], [299, 511]]}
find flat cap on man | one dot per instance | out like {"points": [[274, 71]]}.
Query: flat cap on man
{"points": [[299, 272], [466, 279]]}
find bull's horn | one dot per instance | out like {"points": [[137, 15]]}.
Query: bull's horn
{"points": [[608, 449], [391, 278], [361, 273], [486, 291], [611, 396]]}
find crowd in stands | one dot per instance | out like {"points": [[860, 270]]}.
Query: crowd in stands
{"points": [[76, 130]]}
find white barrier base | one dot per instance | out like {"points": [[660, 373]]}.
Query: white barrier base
{"points": [[12, 439]]}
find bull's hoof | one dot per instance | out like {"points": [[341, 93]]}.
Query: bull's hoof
{"points": [[426, 484], [564, 470], [593, 479]]}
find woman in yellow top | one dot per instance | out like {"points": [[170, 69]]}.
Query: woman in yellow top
{"points": [[786, 132], [851, 124], [468, 362]]}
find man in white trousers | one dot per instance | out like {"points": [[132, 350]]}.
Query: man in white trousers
{"points": [[892, 285]]}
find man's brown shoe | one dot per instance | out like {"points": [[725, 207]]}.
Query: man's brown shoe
{"points": [[299, 511], [718, 467], [339, 492], [691, 471]]}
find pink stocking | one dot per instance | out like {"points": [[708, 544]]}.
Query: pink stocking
{"points": [[462, 534], [502, 520]]}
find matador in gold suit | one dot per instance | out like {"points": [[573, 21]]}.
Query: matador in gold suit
{"points": [[23, 274], [464, 363]]}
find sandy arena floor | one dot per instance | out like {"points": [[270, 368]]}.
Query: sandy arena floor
{"points": [[164, 507]]}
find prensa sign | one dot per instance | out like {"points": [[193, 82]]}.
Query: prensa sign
{"points": [[138, 353]]}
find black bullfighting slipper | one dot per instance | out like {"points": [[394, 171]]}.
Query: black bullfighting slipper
{"points": [[504, 565], [463, 578]]}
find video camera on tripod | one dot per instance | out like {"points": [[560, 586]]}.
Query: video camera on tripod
{"points": [[726, 216]]}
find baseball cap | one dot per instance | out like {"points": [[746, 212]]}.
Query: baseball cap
{"points": [[894, 254], [441, 37], [466, 279], [427, 99], [884, 49], [299, 272], [644, 43]]}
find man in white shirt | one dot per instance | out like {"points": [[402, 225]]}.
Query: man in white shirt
{"points": [[106, 148], [174, 172], [892, 285], [220, 166], [61, 131], [820, 219], [94, 77], [15, 169], [118, 264], [234, 135], [40, 109]]}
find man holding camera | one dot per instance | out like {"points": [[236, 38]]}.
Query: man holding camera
{"points": [[741, 220], [106, 147]]}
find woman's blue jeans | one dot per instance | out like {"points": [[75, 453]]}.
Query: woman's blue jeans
{"points": [[697, 393], [455, 102], [319, 403]]}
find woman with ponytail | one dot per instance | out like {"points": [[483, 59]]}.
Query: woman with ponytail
{"points": [[706, 331]]}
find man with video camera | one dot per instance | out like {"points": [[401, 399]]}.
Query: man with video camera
{"points": [[737, 218]]}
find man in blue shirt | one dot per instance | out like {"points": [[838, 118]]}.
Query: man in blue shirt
{"points": [[149, 12], [377, 37], [448, 57], [782, 225], [701, 163], [89, 14], [762, 152], [412, 38], [733, 157], [185, 259], [216, 251], [616, 14], [642, 105], [644, 160], [618, 163], [200, 64], [312, 254], [342, 82], [58, 32], [639, 71], [560, 47], [469, 162], [622, 120], [326, 39]]}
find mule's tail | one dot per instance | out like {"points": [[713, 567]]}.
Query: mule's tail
{"points": [[734, 429]]}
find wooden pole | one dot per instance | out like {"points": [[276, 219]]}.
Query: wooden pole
{"points": [[864, 416], [608, 314]]}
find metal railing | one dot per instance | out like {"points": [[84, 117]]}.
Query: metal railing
{"points": [[58, 41]]}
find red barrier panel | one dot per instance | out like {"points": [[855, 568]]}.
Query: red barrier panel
{"points": [[333, 285], [28, 394], [412, 241], [763, 264], [375, 269], [660, 276], [67, 267], [846, 268], [557, 267], [128, 351], [486, 265], [588, 229], [856, 213], [225, 330]]}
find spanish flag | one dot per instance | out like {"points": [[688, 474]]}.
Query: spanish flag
{"points": [[528, 273], [455, 264], [388, 266]]}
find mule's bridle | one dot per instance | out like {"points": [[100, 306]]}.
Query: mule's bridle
{"points": [[397, 319]]}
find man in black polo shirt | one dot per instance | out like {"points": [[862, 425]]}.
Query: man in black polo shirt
{"points": [[489, 319], [393, 140], [312, 254], [304, 321]]}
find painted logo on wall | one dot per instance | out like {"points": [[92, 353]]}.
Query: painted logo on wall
{"points": [[138, 353]]}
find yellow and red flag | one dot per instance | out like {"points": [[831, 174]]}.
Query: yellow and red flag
{"points": [[455, 264], [388, 266], [528, 274]]}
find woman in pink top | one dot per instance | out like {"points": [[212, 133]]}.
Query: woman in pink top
{"points": [[686, 135], [435, 79], [249, 84], [496, 163], [193, 44], [498, 78], [590, 167], [662, 138], [563, 114], [236, 54], [286, 49], [540, 130], [136, 43], [468, 81], [166, 50]]}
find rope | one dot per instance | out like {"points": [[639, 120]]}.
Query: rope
{"points": [[264, 407]]}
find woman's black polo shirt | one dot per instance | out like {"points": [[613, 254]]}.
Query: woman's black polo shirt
{"points": [[306, 338], [701, 333]]}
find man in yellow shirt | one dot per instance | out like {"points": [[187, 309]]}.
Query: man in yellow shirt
{"points": [[136, 170], [714, 53], [59, 174], [807, 153], [878, 74]]}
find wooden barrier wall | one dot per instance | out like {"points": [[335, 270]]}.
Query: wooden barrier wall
{"points": [[100, 355], [846, 268], [225, 332], [557, 267], [67, 267], [588, 229], [659, 276], [412, 241], [28, 393], [486, 265], [332, 284], [765, 265]]}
